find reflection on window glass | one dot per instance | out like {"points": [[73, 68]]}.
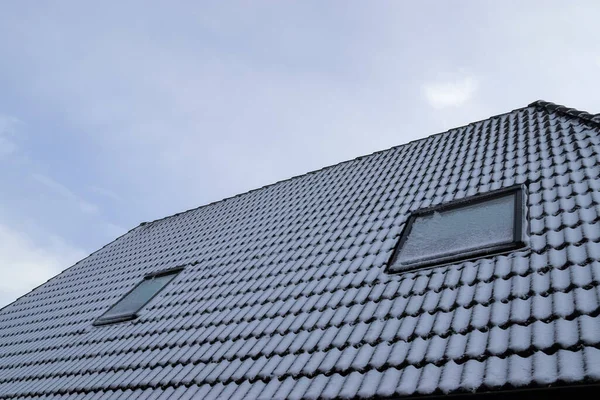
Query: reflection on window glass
{"points": [[131, 303], [462, 231]]}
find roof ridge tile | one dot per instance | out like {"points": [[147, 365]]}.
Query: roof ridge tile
{"points": [[594, 119]]}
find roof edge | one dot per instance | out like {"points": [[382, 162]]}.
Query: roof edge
{"points": [[212, 203], [550, 107], [591, 119]]}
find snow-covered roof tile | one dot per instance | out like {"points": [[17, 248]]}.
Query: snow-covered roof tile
{"points": [[286, 293]]}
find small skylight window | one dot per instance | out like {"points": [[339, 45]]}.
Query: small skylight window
{"points": [[468, 228], [128, 307]]}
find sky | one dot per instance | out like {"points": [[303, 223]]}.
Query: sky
{"points": [[114, 113]]}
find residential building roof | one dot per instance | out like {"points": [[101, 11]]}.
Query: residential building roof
{"points": [[286, 294]]}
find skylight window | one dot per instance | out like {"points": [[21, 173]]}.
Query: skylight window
{"points": [[468, 228], [128, 307]]}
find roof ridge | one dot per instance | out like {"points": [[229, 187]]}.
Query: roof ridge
{"points": [[593, 119], [549, 106], [329, 166]]}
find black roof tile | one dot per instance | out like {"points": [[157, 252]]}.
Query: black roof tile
{"points": [[285, 292]]}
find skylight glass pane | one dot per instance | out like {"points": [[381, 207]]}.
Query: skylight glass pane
{"points": [[459, 231], [131, 303]]}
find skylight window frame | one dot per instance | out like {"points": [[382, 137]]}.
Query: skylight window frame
{"points": [[517, 242], [103, 320]]}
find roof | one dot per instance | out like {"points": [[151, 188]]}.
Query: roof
{"points": [[285, 292]]}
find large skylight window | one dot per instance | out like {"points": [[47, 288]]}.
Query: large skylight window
{"points": [[471, 227], [128, 307]]}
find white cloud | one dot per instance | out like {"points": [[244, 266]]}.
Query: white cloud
{"points": [[84, 205], [105, 192], [452, 93], [7, 133], [25, 264]]}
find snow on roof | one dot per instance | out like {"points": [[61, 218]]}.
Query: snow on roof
{"points": [[285, 292]]}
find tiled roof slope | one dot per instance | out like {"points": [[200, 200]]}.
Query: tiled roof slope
{"points": [[285, 293]]}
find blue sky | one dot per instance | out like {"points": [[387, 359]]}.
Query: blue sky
{"points": [[114, 113]]}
